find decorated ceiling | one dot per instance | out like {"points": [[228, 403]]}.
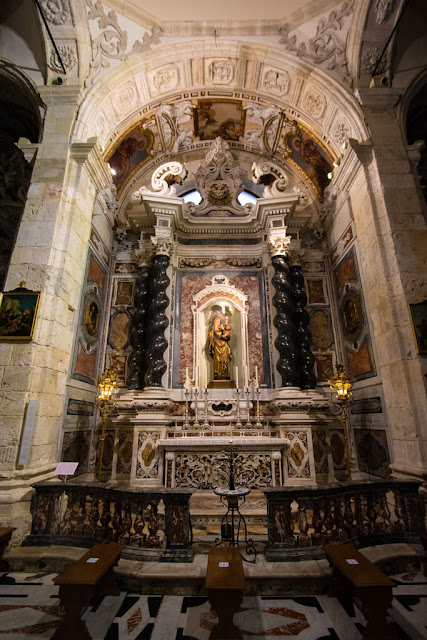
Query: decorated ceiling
{"points": [[264, 129]]}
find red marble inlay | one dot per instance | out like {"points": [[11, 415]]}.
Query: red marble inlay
{"points": [[134, 620]]}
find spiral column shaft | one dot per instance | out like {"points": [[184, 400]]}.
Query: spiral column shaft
{"points": [[138, 334], [285, 343], [307, 378], [158, 322]]}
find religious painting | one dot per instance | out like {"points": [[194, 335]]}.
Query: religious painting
{"points": [[310, 157], [352, 317], [91, 317], [418, 315], [123, 295], [224, 118], [18, 314], [132, 151], [315, 291]]}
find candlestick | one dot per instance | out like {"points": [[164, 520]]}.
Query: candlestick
{"points": [[196, 409], [248, 421], [237, 378], [187, 395], [238, 423], [258, 424], [256, 377], [206, 424]]}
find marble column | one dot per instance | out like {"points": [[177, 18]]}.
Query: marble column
{"points": [[307, 378], [138, 334], [157, 318], [286, 341]]}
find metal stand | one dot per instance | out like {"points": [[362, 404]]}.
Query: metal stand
{"points": [[233, 521], [238, 424]]}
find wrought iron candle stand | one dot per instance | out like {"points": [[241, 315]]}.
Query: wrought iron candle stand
{"points": [[233, 521]]}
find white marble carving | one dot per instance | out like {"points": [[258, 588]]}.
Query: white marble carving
{"points": [[276, 81], [220, 70], [219, 183], [163, 181], [271, 175], [266, 117], [279, 246], [172, 117], [57, 12], [315, 104]]}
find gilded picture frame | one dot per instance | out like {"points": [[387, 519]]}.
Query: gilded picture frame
{"points": [[18, 314]]}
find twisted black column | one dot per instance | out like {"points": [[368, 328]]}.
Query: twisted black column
{"points": [[307, 379], [158, 321], [138, 333], [285, 343]]}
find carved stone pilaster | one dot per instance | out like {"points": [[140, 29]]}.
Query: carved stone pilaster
{"points": [[285, 343], [158, 321], [307, 379]]}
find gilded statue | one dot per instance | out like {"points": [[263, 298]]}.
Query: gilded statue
{"points": [[219, 348]]}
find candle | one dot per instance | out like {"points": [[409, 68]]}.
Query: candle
{"points": [[256, 377], [237, 378]]}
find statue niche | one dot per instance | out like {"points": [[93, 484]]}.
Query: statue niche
{"points": [[219, 347]]}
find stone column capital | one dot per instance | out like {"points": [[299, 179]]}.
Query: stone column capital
{"points": [[279, 246], [295, 257], [162, 246]]}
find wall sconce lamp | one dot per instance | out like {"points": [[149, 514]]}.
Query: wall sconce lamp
{"points": [[105, 397], [341, 386]]}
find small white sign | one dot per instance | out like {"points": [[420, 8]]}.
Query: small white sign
{"points": [[66, 468], [352, 561], [92, 560], [224, 564]]}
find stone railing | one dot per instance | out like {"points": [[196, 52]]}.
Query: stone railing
{"points": [[81, 514], [302, 519]]}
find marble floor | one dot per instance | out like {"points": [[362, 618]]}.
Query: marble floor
{"points": [[29, 609]]}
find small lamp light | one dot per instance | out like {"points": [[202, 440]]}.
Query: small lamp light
{"points": [[342, 384], [105, 393]]}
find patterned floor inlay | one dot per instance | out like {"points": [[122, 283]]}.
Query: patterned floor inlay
{"points": [[30, 610]]}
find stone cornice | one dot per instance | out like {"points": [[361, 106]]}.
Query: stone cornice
{"points": [[60, 94], [88, 153], [378, 98]]}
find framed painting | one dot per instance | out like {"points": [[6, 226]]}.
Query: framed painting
{"points": [[18, 314], [418, 315], [224, 118]]}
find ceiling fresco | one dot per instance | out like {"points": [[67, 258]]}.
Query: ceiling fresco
{"points": [[175, 128]]}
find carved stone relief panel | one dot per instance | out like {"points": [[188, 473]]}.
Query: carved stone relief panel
{"points": [[298, 465], [163, 79], [125, 98], [219, 70], [275, 81], [314, 103]]}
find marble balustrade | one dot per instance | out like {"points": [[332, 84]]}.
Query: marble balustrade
{"points": [[153, 524], [302, 519]]}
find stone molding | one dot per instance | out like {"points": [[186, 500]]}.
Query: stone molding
{"points": [[88, 153]]}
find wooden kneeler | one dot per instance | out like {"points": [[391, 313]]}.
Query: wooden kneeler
{"points": [[89, 576], [225, 582]]}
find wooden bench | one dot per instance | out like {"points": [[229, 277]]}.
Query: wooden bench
{"points": [[225, 585], [89, 576], [5, 536], [370, 584]]}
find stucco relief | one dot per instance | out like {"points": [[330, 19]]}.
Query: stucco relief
{"points": [[341, 131], [314, 103], [57, 12], [219, 70], [164, 79], [383, 10], [125, 98], [370, 58], [68, 57], [276, 81]]}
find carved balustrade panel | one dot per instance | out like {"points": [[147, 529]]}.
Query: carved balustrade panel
{"points": [[149, 523], [301, 520]]}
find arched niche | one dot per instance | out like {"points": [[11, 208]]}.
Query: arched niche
{"points": [[225, 298]]}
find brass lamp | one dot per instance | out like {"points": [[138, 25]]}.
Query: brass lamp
{"points": [[105, 394], [342, 384]]}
